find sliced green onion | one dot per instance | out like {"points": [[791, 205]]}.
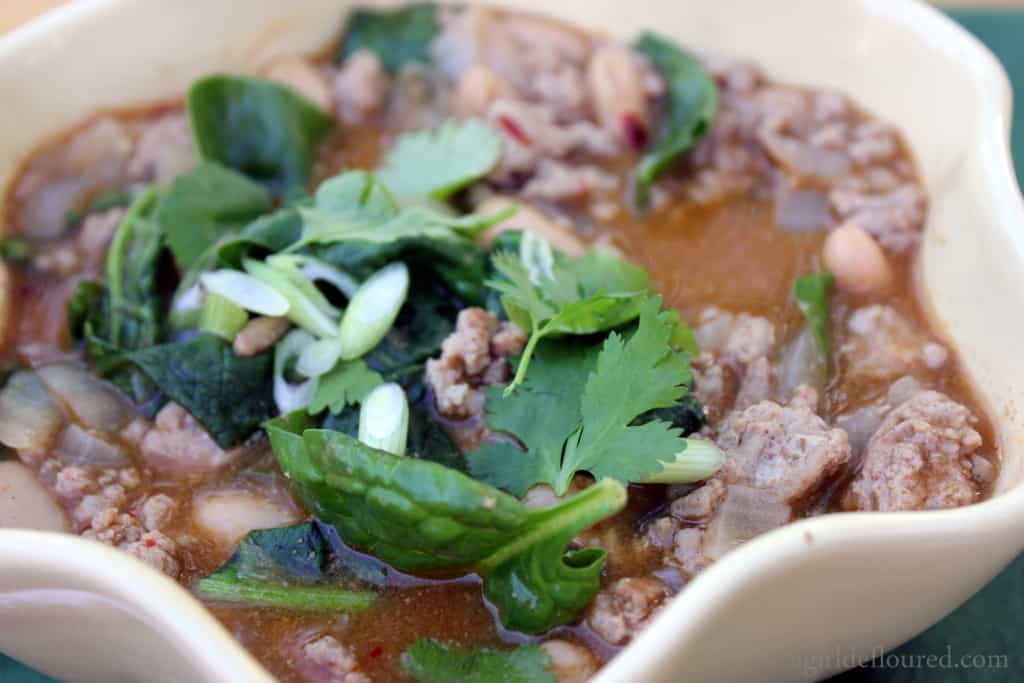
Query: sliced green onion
{"points": [[245, 291], [698, 461], [222, 316], [372, 310], [317, 271], [289, 266], [290, 397], [266, 594], [301, 310], [318, 358], [384, 419], [537, 255]]}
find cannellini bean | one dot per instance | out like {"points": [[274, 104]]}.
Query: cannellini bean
{"points": [[616, 85], [570, 662], [529, 218], [259, 334], [304, 78], [24, 503], [478, 87], [227, 516], [857, 262]]}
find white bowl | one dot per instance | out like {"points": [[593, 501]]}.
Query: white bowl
{"points": [[799, 603]]}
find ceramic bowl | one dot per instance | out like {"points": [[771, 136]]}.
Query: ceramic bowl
{"points": [[799, 603]]}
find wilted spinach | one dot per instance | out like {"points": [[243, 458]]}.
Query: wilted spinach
{"points": [[396, 36], [258, 127]]}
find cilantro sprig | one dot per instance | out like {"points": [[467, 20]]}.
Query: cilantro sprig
{"points": [[548, 293], [578, 410]]}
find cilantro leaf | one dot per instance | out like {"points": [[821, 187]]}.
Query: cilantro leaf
{"points": [[558, 295], [438, 163], [345, 384], [429, 661], [396, 36], [577, 411], [811, 295]]}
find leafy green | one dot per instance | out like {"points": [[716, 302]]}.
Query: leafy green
{"points": [[578, 412], [258, 127], [291, 567], [429, 661], [228, 394], [346, 384], [811, 294], [423, 324], [691, 105], [396, 36], [105, 202], [123, 315], [268, 234], [563, 295], [415, 514], [439, 163], [203, 205], [15, 250]]}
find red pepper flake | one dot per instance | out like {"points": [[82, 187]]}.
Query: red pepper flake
{"points": [[376, 652], [634, 131], [149, 542], [513, 128]]}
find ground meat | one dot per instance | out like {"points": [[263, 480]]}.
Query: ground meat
{"points": [[125, 532], [360, 87], [158, 511], [813, 152], [699, 505], [920, 458], [96, 233], [475, 355], [623, 609], [156, 550], [325, 660], [164, 149], [883, 345], [178, 443], [112, 496], [787, 449], [571, 663]]}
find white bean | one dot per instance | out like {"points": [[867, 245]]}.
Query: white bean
{"points": [[476, 90], [227, 516], [857, 262], [571, 663], [616, 85]]}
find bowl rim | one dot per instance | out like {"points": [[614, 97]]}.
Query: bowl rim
{"points": [[183, 620]]}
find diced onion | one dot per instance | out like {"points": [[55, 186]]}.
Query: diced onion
{"points": [[800, 362], [698, 461], [81, 447], [372, 310], [95, 403], [29, 417], [384, 419], [290, 397], [245, 291], [302, 310], [745, 513], [318, 358]]}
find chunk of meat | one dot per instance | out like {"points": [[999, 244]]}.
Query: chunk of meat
{"points": [[920, 458], [164, 150], [96, 233], [360, 87], [883, 345], [177, 443], [622, 610], [227, 516], [699, 505], [787, 449], [733, 370], [158, 511], [570, 662], [325, 660], [473, 356]]}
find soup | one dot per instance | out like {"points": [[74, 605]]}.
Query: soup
{"points": [[461, 351]]}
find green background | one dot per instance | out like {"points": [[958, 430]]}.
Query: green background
{"points": [[992, 622]]}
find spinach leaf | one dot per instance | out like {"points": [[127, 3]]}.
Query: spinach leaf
{"points": [[291, 567], [552, 294], [428, 440], [578, 412], [429, 661], [811, 295], [105, 202], [258, 127], [691, 105], [265, 235], [203, 205], [396, 36], [15, 250], [123, 315], [415, 514], [229, 395], [438, 163]]}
